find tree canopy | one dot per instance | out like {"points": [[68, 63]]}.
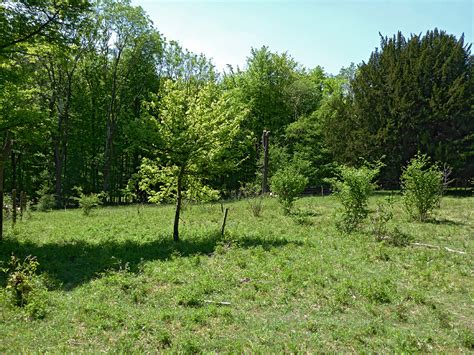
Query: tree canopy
{"points": [[93, 96]]}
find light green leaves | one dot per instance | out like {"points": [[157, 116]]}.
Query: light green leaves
{"points": [[196, 129]]}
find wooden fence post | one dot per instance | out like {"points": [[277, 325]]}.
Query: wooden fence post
{"points": [[223, 222]]}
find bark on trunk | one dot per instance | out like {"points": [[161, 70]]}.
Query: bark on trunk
{"points": [[111, 125], [3, 158], [58, 168], [14, 165], [265, 141], [178, 207], [108, 156], [1, 200]]}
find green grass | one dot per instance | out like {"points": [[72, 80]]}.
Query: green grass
{"points": [[117, 282]]}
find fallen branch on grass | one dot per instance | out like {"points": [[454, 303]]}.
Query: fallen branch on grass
{"points": [[438, 247], [217, 302]]}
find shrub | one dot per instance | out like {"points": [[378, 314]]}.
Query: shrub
{"points": [[288, 184], [422, 186], [46, 201], [25, 288], [380, 218], [20, 278], [87, 202], [353, 188]]}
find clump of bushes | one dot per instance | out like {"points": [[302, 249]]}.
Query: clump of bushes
{"points": [[288, 184], [422, 187], [352, 187]]}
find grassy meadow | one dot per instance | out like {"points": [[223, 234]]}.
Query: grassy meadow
{"points": [[116, 281]]}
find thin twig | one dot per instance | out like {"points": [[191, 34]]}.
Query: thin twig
{"points": [[438, 247]]}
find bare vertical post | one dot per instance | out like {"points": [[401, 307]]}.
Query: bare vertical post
{"points": [[14, 206], [223, 222], [265, 140]]}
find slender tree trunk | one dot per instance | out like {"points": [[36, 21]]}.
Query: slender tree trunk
{"points": [[14, 165], [265, 142], [2, 164], [58, 167], [108, 156], [3, 158], [111, 125], [178, 207], [14, 206]]}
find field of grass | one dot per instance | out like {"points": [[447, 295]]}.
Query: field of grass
{"points": [[116, 282]]}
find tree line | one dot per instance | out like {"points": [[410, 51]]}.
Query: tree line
{"points": [[93, 96]]}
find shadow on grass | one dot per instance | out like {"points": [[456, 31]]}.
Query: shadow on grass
{"points": [[444, 221], [76, 262]]}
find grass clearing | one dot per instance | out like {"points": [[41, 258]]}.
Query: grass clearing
{"points": [[117, 281]]}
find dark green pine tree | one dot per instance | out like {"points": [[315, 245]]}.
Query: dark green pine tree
{"points": [[416, 95]]}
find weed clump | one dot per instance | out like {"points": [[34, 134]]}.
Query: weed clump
{"points": [[380, 228], [254, 199]]}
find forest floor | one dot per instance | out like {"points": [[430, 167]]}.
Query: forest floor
{"points": [[115, 281]]}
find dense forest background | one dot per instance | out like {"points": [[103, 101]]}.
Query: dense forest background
{"points": [[90, 93]]}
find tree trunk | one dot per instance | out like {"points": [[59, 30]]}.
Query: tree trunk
{"points": [[178, 207], [111, 122], [14, 165], [108, 156], [4, 156], [58, 169], [265, 142], [2, 164], [14, 206]]}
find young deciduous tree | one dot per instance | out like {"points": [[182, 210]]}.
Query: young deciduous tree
{"points": [[195, 128]]}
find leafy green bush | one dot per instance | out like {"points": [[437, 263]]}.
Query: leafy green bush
{"points": [[422, 186], [288, 184], [46, 203], [87, 202], [353, 188]]}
